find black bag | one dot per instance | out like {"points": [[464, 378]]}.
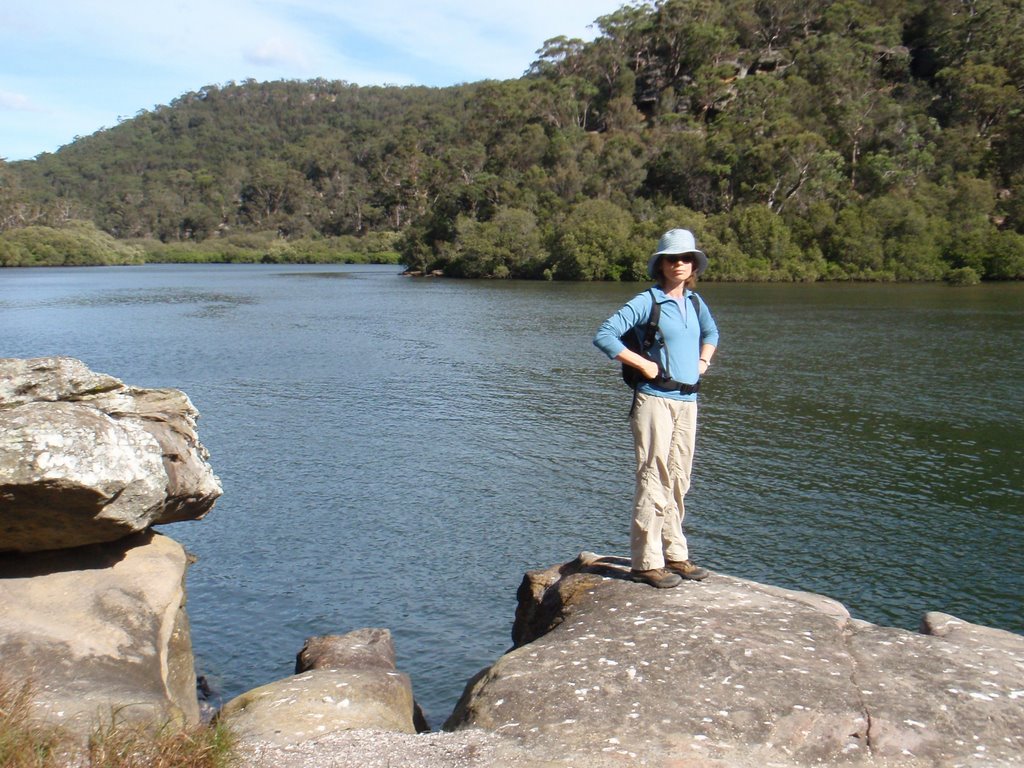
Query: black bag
{"points": [[640, 339]]}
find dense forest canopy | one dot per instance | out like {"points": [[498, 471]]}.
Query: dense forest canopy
{"points": [[799, 139]]}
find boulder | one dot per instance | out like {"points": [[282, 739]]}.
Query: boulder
{"points": [[728, 672], [369, 648], [342, 683], [365, 649], [85, 459], [99, 630]]}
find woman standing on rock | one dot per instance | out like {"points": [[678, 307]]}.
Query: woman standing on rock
{"points": [[664, 414]]}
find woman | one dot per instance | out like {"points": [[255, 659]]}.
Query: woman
{"points": [[664, 416]]}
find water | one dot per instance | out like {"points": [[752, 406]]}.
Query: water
{"points": [[397, 452]]}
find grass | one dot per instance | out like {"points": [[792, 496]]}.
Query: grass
{"points": [[25, 742], [117, 745]]}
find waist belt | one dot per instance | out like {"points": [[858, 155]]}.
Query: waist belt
{"points": [[666, 384]]}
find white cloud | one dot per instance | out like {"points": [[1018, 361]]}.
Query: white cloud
{"points": [[275, 52], [18, 102]]}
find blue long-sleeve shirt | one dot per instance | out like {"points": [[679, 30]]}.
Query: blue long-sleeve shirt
{"points": [[678, 342]]}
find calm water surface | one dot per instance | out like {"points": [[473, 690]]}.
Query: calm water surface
{"points": [[397, 453]]}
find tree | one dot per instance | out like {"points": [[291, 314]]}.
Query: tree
{"points": [[272, 192], [594, 242], [508, 245], [912, 239], [10, 194], [769, 247], [983, 96]]}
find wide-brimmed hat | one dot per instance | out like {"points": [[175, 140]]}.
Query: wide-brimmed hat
{"points": [[677, 241]]}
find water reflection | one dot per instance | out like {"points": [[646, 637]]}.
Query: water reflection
{"points": [[158, 296]]}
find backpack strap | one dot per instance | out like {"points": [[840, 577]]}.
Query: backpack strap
{"points": [[651, 329], [647, 340], [650, 333]]}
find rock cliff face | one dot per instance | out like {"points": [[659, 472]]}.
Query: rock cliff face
{"points": [[92, 601], [728, 672]]}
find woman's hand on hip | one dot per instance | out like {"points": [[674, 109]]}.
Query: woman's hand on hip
{"points": [[650, 370]]}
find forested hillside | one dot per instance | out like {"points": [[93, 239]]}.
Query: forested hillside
{"points": [[800, 140]]}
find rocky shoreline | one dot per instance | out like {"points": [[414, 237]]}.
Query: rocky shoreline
{"points": [[603, 671]]}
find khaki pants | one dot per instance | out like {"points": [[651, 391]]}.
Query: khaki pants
{"points": [[664, 432]]}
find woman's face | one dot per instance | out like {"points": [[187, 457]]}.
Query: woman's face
{"points": [[677, 267]]}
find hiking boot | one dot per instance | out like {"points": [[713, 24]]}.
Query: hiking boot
{"points": [[657, 577], [687, 569]]}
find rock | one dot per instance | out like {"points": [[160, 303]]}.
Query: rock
{"points": [[71, 475], [170, 417], [343, 683], [421, 273], [99, 630], [390, 749], [728, 672], [85, 459], [50, 379], [362, 649], [369, 648]]}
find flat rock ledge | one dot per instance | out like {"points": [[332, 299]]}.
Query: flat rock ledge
{"points": [[728, 672]]}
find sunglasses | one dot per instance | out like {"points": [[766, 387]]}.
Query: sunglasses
{"points": [[685, 258]]}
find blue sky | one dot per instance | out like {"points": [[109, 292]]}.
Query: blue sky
{"points": [[71, 67]]}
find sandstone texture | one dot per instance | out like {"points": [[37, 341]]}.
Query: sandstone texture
{"points": [[100, 630], [728, 672], [342, 683], [368, 649], [85, 459]]}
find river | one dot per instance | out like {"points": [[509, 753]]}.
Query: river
{"points": [[397, 452]]}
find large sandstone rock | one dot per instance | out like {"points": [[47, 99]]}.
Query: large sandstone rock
{"points": [[728, 672], [100, 630], [342, 683], [85, 459]]}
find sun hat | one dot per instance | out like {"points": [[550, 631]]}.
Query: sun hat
{"points": [[677, 241]]}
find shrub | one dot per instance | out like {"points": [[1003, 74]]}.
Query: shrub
{"points": [[962, 276], [76, 243]]}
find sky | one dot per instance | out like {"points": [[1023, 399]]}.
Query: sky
{"points": [[69, 68]]}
